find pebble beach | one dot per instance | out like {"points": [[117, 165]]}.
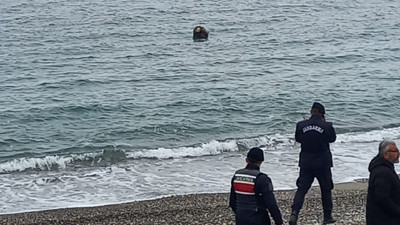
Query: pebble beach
{"points": [[348, 198]]}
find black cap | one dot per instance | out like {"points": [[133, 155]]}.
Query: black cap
{"points": [[256, 154], [318, 106]]}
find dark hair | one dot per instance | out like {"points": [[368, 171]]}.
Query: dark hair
{"points": [[253, 160]]}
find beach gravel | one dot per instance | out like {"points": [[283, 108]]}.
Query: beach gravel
{"points": [[349, 208]]}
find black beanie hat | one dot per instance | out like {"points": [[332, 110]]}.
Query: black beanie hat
{"points": [[318, 106], [256, 154]]}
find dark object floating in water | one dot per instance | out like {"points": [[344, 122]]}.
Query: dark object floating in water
{"points": [[199, 33]]}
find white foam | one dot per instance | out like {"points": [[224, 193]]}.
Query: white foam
{"points": [[270, 142], [163, 172], [45, 163], [370, 136], [211, 148]]}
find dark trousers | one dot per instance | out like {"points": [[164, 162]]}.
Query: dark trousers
{"points": [[252, 218], [304, 183]]}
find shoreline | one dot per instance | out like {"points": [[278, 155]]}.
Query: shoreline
{"points": [[348, 198]]}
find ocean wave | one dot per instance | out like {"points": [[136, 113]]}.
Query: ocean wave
{"points": [[211, 148], [370, 136], [58, 162], [276, 142], [66, 84], [46, 163]]}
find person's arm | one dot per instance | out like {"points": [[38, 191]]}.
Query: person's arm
{"points": [[267, 191], [383, 188], [332, 133], [232, 198], [297, 133]]}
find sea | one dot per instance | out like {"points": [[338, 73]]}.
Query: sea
{"points": [[105, 102]]}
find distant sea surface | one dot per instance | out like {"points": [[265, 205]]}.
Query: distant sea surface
{"points": [[112, 101]]}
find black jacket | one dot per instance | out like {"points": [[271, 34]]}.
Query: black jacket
{"points": [[265, 201], [315, 135], [383, 199]]}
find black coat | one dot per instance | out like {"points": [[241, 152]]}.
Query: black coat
{"points": [[266, 199], [383, 199], [315, 135]]}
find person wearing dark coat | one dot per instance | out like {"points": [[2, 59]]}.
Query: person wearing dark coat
{"points": [[251, 196], [200, 33], [383, 198], [314, 135]]}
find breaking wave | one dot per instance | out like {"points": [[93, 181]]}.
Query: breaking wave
{"points": [[107, 157]]}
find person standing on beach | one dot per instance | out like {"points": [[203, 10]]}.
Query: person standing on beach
{"points": [[314, 134], [252, 195], [383, 198]]}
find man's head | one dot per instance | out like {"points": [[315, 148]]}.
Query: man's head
{"points": [[389, 151], [255, 155], [317, 108]]}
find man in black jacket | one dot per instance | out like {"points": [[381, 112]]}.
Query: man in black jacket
{"points": [[252, 194], [383, 199], [314, 134]]}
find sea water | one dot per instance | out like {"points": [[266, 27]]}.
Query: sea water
{"points": [[112, 101]]}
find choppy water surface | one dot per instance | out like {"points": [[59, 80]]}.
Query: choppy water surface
{"points": [[106, 102]]}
